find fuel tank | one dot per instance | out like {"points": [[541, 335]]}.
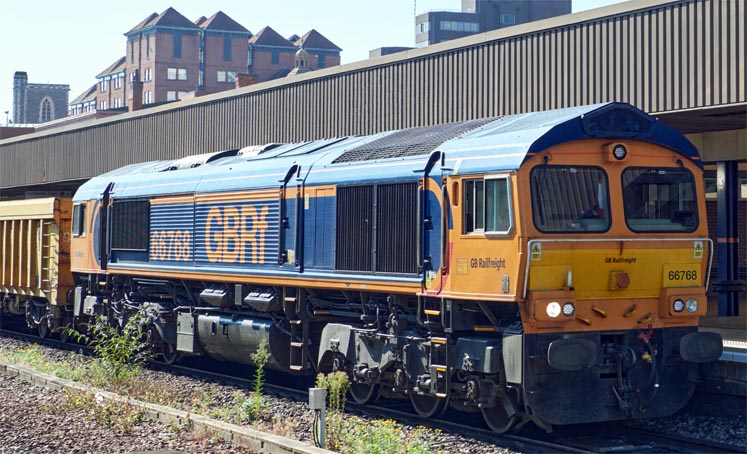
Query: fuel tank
{"points": [[235, 339]]}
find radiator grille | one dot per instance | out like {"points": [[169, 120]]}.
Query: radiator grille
{"points": [[129, 225], [397, 228], [409, 142], [354, 228]]}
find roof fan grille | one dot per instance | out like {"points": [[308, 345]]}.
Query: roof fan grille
{"points": [[409, 142]]}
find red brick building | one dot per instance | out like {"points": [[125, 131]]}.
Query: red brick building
{"points": [[167, 56], [172, 56]]}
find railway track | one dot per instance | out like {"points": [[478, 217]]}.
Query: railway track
{"points": [[591, 438]]}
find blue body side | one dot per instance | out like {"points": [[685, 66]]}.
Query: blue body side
{"points": [[249, 236]]}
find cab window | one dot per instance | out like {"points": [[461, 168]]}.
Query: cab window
{"points": [[570, 199], [487, 205], [659, 200], [79, 219]]}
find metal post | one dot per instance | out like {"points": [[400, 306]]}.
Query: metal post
{"points": [[728, 285], [318, 403]]}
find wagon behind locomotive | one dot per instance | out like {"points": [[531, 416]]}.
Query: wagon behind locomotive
{"points": [[35, 275]]}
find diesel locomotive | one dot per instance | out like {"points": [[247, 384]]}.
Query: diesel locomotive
{"points": [[547, 267]]}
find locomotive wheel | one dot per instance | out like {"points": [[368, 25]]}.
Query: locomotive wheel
{"points": [[497, 419], [170, 355], [428, 406], [43, 328], [363, 393]]}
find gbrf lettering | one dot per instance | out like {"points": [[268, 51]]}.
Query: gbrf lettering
{"points": [[229, 230]]}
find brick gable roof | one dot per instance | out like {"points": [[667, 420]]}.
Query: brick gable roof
{"points": [[220, 21], [168, 18], [315, 40], [117, 66], [269, 37], [88, 95], [143, 23]]}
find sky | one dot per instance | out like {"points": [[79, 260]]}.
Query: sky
{"points": [[69, 42]]}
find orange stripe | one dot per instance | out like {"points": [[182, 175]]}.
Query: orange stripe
{"points": [[172, 200], [301, 281], [272, 194], [728, 240]]}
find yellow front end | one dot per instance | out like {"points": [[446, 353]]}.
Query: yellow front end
{"points": [[617, 284]]}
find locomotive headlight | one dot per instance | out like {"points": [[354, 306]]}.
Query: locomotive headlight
{"points": [[619, 152], [568, 309], [553, 309], [692, 305], [678, 305]]}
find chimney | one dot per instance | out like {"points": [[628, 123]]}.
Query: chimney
{"points": [[135, 102], [244, 79]]}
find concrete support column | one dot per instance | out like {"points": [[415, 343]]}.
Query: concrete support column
{"points": [[728, 285]]}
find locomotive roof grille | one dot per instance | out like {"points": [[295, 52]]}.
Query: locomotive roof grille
{"points": [[409, 142]]}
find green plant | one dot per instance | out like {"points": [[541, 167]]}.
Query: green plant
{"points": [[247, 409], [121, 352], [120, 416], [384, 437], [260, 358], [336, 384]]}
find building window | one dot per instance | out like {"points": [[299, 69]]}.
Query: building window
{"points": [[275, 57], [508, 18], [176, 74], [89, 107], [118, 81], [174, 95], [320, 63], [46, 110], [177, 44], [147, 47], [102, 105], [147, 76], [226, 48], [132, 51], [711, 187], [147, 97], [456, 26], [117, 102], [227, 76], [423, 27], [102, 86]]}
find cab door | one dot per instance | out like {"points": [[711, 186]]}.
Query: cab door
{"points": [[290, 252], [432, 224]]}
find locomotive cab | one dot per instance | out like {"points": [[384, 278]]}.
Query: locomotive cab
{"points": [[602, 245], [617, 268]]}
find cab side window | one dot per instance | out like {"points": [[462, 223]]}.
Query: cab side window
{"points": [[487, 206], [79, 219]]}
